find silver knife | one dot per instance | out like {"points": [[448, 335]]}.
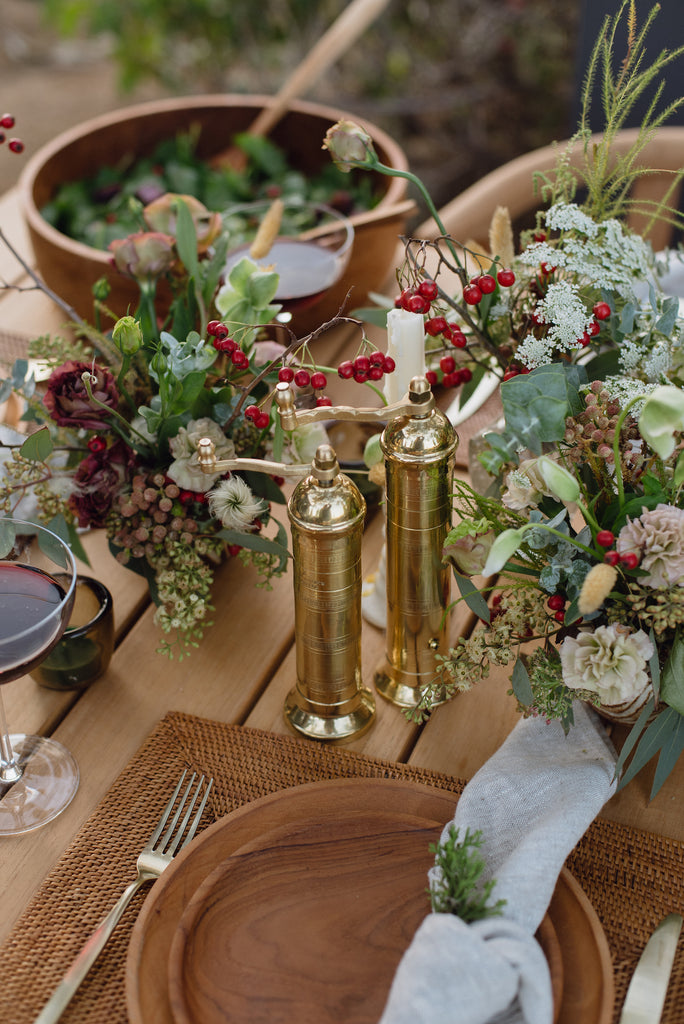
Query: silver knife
{"points": [[647, 989]]}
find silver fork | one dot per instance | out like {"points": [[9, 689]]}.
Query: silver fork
{"points": [[154, 858]]}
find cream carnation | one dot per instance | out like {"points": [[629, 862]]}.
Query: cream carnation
{"points": [[610, 661], [657, 537]]}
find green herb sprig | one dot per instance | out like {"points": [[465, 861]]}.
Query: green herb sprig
{"points": [[458, 891]]}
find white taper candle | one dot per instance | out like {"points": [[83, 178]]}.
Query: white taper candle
{"points": [[406, 346]]}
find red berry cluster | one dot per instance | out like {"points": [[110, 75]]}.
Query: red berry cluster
{"points": [[418, 299], [223, 343], [451, 376], [606, 539], [484, 284], [367, 366], [556, 604], [304, 378], [259, 418], [6, 123]]}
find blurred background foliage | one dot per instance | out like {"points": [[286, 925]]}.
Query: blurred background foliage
{"points": [[463, 85]]}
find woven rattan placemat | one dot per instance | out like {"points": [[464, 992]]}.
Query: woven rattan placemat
{"points": [[632, 878]]}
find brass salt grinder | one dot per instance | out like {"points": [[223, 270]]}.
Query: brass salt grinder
{"points": [[418, 444], [326, 512]]}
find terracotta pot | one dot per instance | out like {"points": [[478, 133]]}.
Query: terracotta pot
{"points": [[70, 268]]}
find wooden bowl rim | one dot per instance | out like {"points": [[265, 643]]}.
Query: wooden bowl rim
{"points": [[151, 108]]}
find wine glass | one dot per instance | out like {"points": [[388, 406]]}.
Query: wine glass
{"points": [[310, 252], [38, 776]]}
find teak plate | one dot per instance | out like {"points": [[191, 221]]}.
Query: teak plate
{"points": [[370, 839]]}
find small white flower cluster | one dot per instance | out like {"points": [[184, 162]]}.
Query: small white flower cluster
{"points": [[624, 389], [569, 217], [566, 319]]}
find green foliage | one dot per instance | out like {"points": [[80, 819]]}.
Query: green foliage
{"points": [[459, 891], [536, 406], [608, 176], [664, 736]]}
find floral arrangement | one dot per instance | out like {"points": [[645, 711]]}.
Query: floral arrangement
{"points": [[571, 552], [114, 421]]}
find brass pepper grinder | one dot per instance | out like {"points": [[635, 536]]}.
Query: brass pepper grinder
{"points": [[418, 444], [326, 512]]}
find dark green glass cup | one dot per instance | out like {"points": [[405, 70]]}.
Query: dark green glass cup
{"points": [[84, 652]]}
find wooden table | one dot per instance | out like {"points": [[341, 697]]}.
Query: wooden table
{"points": [[240, 674]]}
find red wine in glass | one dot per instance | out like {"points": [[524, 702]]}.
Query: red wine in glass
{"points": [[38, 776], [30, 617]]}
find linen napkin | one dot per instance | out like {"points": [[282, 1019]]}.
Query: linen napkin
{"points": [[532, 801]]}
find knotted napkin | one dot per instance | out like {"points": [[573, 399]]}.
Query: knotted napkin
{"points": [[532, 801]]}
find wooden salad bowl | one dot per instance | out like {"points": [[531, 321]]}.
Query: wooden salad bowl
{"points": [[71, 268]]}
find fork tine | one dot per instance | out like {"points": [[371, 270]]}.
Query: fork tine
{"points": [[173, 846], [198, 816], [174, 821], [167, 811]]}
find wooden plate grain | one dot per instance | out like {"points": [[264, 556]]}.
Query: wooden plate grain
{"points": [[419, 811]]}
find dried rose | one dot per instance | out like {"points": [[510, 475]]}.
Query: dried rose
{"points": [[97, 481], [468, 545], [349, 145], [144, 255], [68, 402], [162, 215]]}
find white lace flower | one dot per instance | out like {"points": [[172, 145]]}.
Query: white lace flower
{"points": [[542, 252], [533, 352], [565, 313], [610, 661], [569, 217], [234, 504]]}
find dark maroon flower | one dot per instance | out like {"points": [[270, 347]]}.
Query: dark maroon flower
{"points": [[97, 481], [67, 400]]}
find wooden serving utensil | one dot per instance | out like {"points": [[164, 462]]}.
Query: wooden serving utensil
{"points": [[346, 28]]}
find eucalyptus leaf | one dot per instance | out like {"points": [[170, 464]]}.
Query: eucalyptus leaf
{"points": [[6, 389], [678, 476], [38, 446], [186, 238], [672, 679], [54, 542], [627, 316], [472, 597], [658, 735], [654, 666], [19, 371], [669, 755], [255, 542], [371, 315], [263, 486], [633, 736], [8, 534], [536, 405], [521, 685], [665, 323]]}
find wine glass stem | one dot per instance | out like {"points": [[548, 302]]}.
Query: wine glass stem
{"points": [[10, 771]]}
